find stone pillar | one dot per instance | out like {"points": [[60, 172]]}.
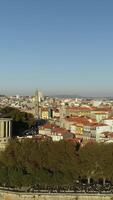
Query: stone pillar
{"points": [[6, 129], [9, 128], [2, 129]]}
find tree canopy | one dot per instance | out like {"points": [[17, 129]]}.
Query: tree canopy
{"points": [[32, 163]]}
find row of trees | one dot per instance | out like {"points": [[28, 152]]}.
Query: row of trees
{"points": [[30, 163]]}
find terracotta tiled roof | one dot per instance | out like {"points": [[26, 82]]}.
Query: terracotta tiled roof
{"points": [[47, 126], [81, 119], [106, 109], [56, 110], [44, 109], [80, 108]]}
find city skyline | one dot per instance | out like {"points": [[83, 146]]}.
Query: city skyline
{"points": [[60, 47]]}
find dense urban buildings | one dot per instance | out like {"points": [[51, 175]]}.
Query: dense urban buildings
{"points": [[60, 144], [74, 119]]}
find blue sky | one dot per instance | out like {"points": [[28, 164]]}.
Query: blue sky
{"points": [[58, 46]]}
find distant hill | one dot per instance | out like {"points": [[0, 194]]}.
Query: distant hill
{"points": [[1, 95], [66, 96], [82, 97]]}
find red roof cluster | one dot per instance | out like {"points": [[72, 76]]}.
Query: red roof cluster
{"points": [[56, 110], [105, 109], [89, 108], [55, 129], [44, 109], [80, 108], [81, 120], [48, 126]]}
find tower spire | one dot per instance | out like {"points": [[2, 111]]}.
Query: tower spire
{"points": [[37, 104]]}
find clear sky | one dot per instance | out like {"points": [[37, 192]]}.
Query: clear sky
{"points": [[58, 46]]}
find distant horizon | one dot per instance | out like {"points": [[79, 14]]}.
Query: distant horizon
{"points": [[65, 95]]}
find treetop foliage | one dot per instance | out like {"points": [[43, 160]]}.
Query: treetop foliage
{"points": [[32, 163]]}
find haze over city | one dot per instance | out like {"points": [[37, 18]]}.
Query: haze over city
{"points": [[60, 47]]}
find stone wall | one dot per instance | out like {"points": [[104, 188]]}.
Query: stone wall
{"points": [[23, 196]]}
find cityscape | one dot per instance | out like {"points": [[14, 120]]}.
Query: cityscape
{"points": [[57, 122], [74, 119], [56, 100]]}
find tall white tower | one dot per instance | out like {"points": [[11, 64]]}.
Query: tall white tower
{"points": [[37, 104], [38, 98]]}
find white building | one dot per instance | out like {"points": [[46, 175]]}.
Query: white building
{"points": [[56, 137], [97, 130], [109, 122]]}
